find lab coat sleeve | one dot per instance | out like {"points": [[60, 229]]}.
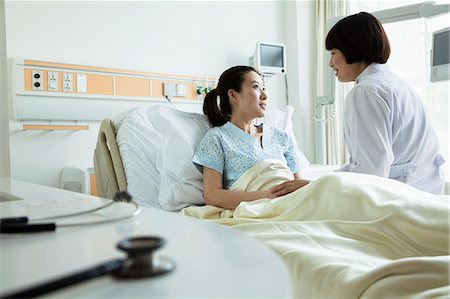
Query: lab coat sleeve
{"points": [[369, 125]]}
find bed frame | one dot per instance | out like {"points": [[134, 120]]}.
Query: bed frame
{"points": [[109, 172]]}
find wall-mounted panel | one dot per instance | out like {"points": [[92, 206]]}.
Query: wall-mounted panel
{"points": [[56, 91], [157, 91], [100, 84], [131, 86]]}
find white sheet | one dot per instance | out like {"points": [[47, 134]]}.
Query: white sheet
{"points": [[348, 235]]}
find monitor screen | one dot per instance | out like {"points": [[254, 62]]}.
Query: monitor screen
{"points": [[271, 55], [441, 42]]}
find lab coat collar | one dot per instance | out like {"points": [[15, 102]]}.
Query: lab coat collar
{"points": [[371, 69]]}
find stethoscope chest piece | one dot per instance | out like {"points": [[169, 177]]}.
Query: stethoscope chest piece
{"points": [[141, 261]]}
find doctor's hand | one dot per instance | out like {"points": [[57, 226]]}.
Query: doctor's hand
{"points": [[288, 187]]}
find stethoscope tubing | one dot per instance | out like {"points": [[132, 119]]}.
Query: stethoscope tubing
{"points": [[138, 264], [137, 210], [24, 219], [21, 225], [71, 279], [76, 213]]}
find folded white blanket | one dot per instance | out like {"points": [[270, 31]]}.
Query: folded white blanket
{"points": [[348, 235]]}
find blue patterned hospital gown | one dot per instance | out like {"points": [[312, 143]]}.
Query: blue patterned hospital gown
{"points": [[230, 151]]}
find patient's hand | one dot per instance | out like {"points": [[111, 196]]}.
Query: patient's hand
{"points": [[288, 187]]}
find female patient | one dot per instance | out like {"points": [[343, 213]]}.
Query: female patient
{"points": [[234, 144]]}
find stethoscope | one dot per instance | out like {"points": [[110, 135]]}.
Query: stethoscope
{"points": [[138, 264], [23, 224]]}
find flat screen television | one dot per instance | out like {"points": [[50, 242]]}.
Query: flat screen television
{"points": [[440, 55]]}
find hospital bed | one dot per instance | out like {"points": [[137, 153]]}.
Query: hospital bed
{"points": [[343, 236], [110, 175]]}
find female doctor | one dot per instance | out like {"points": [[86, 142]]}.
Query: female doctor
{"points": [[387, 130]]}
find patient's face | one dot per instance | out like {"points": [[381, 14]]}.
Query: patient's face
{"points": [[251, 100]]}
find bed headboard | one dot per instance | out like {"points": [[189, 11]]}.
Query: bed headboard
{"points": [[109, 172]]}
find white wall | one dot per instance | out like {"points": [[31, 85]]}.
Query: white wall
{"points": [[192, 38], [300, 45], [4, 124]]}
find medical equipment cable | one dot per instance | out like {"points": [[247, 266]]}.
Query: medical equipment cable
{"points": [[22, 225], [287, 89], [169, 99]]}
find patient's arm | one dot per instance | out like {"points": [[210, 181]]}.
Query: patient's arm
{"points": [[215, 195]]}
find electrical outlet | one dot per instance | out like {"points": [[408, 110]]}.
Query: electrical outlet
{"points": [[67, 80], [52, 81], [36, 80]]}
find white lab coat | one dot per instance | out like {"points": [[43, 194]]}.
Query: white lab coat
{"points": [[388, 132]]}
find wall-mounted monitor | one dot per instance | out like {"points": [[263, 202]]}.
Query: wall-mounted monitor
{"points": [[440, 55], [269, 58]]}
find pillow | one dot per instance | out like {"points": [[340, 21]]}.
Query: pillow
{"points": [[181, 184], [156, 145], [138, 143], [282, 119]]}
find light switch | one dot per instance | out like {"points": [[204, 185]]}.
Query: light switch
{"points": [[81, 83], [181, 90]]}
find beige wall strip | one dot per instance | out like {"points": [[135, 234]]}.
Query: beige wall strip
{"points": [[55, 128], [104, 69], [100, 84], [93, 184], [110, 82], [129, 86]]}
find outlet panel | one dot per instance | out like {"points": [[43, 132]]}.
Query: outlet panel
{"points": [[52, 81], [37, 80], [53, 78], [67, 82]]}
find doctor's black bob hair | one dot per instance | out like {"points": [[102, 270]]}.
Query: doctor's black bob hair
{"points": [[361, 38]]}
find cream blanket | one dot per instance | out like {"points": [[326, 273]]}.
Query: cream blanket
{"points": [[347, 235]]}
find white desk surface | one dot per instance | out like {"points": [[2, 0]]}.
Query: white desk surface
{"points": [[211, 260]]}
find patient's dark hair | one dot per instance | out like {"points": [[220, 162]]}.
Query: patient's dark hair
{"points": [[217, 110], [361, 38]]}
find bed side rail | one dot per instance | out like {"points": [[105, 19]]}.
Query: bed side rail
{"points": [[109, 172]]}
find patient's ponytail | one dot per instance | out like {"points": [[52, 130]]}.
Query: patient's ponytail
{"points": [[216, 115], [216, 105]]}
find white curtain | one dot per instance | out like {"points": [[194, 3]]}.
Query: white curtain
{"points": [[331, 118]]}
